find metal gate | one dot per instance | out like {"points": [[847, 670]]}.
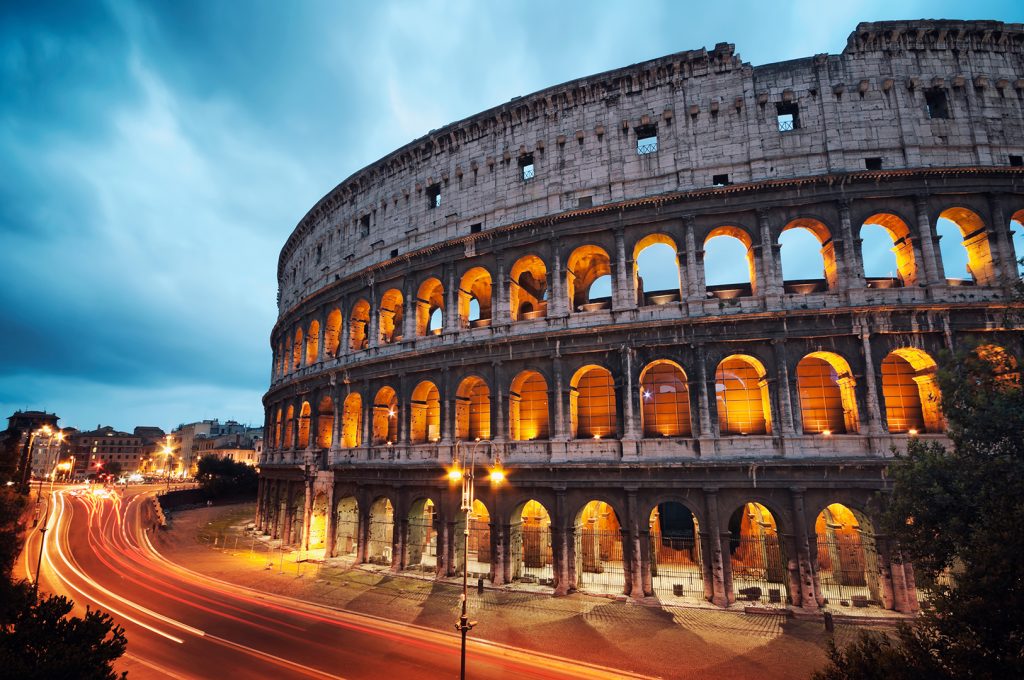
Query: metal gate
{"points": [[599, 565], [846, 570], [378, 548], [346, 542], [421, 543], [479, 546], [676, 567], [759, 571], [531, 552]]}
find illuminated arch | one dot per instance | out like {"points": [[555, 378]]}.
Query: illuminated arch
{"points": [[304, 425], [717, 259], [358, 321], [656, 270], [528, 407], [313, 342], [421, 535], [473, 410], [585, 266], [289, 428], [756, 555], [1003, 364], [346, 536], [475, 298], [317, 538], [479, 539], [664, 400], [429, 299], [277, 430], [592, 407], [741, 395], [794, 254], [390, 320], [598, 537], [846, 556], [325, 423], [380, 532], [828, 403], [910, 392], [975, 242], [530, 541], [352, 421], [899, 234], [1017, 241], [676, 561], [385, 417], [528, 292], [286, 359], [332, 333], [297, 350], [425, 423]]}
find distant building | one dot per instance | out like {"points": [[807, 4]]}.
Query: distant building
{"points": [[94, 451], [14, 438], [191, 441]]}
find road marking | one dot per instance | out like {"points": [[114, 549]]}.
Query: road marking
{"points": [[157, 667]]}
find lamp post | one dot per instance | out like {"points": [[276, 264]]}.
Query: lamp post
{"points": [[167, 451], [460, 471]]}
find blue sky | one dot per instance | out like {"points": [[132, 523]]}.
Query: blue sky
{"points": [[156, 155]]}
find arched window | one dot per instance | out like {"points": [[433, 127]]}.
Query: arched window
{"points": [[332, 333], [304, 425], [385, 417], [586, 266], [380, 532], [313, 342], [325, 423], [910, 392], [528, 407], [475, 287], [279, 359], [665, 400], [473, 410], [656, 270], [884, 236], [289, 428], [965, 249], [426, 413], [756, 553], [530, 541], [528, 292], [676, 564], [277, 430], [846, 556], [297, 350], [729, 270], [357, 325], [741, 394], [1017, 229], [352, 421], [808, 257], [592, 404], [826, 387], [599, 563], [390, 320], [430, 308]]}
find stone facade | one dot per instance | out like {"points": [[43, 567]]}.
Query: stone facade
{"points": [[741, 432]]}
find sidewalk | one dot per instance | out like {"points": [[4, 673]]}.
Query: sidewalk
{"points": [[669, 642]]}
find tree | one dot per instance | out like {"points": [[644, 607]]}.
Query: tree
{"points": [[222, 477], [958, 516]]}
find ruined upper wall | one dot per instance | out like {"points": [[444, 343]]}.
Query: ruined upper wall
{"points": [[715, 115]]}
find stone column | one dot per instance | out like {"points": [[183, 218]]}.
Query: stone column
{"points": [[305, 329], [331, 525], [558, 305], [367, 416], [1001, 243], [451, 301], [499, 424], [875, 420], [562, 569], [634, 586], [260, 500], [805, 589], [363, 530], [409, 308], [933, 273], [307, 511], [399, 534], [784, 391], [704, 387], [770, 273], [624, 296], [561, 429], [373, 327], [446, 404], [500, 312], [337, 397], [720, 595], [696, 288], [851, 264], [631, 429], [404, 411], [320, 338]]}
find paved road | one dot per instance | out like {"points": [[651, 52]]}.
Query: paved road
{"points": [[181, 624]]}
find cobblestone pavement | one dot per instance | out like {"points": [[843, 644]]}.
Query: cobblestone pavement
{"points": [[667, 642]]}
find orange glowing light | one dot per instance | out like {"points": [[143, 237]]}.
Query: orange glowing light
{"points": [[826, 433], [454, 473], [497, 474], [912, 432]]}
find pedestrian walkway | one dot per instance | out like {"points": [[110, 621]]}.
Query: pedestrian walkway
{"points": [[664, 641]]}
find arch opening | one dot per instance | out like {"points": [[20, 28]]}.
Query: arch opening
{"points": [[390, 321], [473, 410], [421, 540], [665, 400], [887, 252], [528, 407], [385, 417], [380, 531], [475, 298], [530, 544], [910, 391], [352, 421], [598, 543], [825, 386], [677, 569], [741, 396], [588, 289], [847, 558], [430, 308], [297, 350], [313, 343], [318, 524], [304, 425], [325, 423], [425, 425], [528, 290], [332, 334], [808, 257], [289, 428], [966, 251], [592, 407], [479, 541], [656, 270], [725, 248], [1017, 241], [346, 533], [756, 555], [357, 326]]}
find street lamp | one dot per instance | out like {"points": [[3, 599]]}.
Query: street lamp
{"points": [[46, 461], [167, 451], [460, 471]]}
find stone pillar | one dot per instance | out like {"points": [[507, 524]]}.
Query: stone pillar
{"points": [[302, 360], [307, 512], [563, 556], [804, 591], [363, 531], [451, 301], [499, 424], [404, 410], [719, 594], [337, 399], [631, 428], [373, 327], [704, 389], [695, 289], [561, 429], [784, 391], [367, 416], [623, 297], [634, 586], [770, 273], [933, 273], [558, 304], [499, 559], [875, 420], [446, 404], [1001, 242], [851, 262], [286, 529], [345, 334], [399, 534], [320, 342], [500, 312], [331, 525]]}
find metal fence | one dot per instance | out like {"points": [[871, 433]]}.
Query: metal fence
{"points": [[676, 567], [599, 560], [759, 571], [531, 553], [843, 571]]}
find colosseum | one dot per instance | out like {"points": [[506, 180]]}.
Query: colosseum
{"points": [[586, 288]]}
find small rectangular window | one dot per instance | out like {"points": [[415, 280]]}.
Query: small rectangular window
{"points": [[720, 180], [1016, 161], [475, 228], [434, 196], [319, 252], [394, 252], [585, 202], [873, 163], [646, 139], [364, 225], [787, 116], [526, 168], [938, 105]]}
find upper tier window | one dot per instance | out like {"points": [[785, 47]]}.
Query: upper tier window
{"points": [[938, 105], [434, 196], [788, 116], [646, 139]]}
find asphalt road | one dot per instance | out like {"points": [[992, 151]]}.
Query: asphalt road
{"points": [[181, 624]]}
